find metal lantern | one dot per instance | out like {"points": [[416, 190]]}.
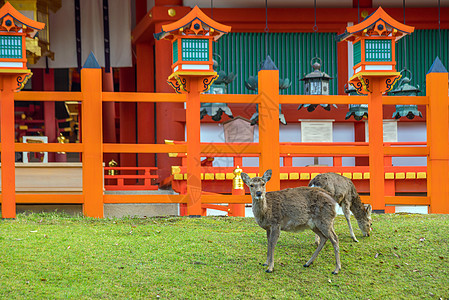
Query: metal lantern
{"points": [[406, 89], [252, 83], [358, 111], [316, 83]]}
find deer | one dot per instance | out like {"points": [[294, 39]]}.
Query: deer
{"points": [[293, 209], [344, 192]]}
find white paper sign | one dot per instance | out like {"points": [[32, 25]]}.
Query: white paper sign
{"points": [[390, 131], [316, 130]]}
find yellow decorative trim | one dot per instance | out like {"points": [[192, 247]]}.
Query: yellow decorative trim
{"points": [[23, 127], [366, 175], [400, 175], [175, 169], [220, 176], [21, 71], [229, 176], [357, 176], [313, 175], [421, 175], [209, 176], [185, 176], [389, 175], [294, 176], [347, 175], [410, 175], [374, 73], [305, 176], [283, 176], [178, 176]]}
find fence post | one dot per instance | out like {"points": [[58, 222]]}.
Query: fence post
{"points": [[376, 149], [269, 126], [92, 138], [437, 138], [8, 85], [193, 124]]}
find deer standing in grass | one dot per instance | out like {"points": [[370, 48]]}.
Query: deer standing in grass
{"points": [[344, 192], [293, 210]]}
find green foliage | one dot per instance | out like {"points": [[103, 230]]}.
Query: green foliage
{"points": [[55, 256]]}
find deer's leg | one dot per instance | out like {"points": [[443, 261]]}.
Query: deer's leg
{"points": [[317, 240], [272, 240], [268, 243], [347, 214], [334, 240], [323, 240]]}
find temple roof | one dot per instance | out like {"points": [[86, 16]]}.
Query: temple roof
{"points": [[31, 26], [396, 28], [195, 14]]}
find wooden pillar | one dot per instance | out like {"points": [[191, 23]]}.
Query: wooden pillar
{"points": [[145, 111], [376, 150], [127, 116], [269, 127], [359, 136], [50, 124], [193, 149], [7, 86], [438, 142], [109, 130], [92, 129]]}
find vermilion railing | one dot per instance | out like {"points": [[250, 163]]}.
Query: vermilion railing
{"points": [[139, 181], [268, 149]]}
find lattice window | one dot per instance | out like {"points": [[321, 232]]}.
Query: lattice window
{"points": [[175, 51], [195, 50], [10, 46], [378, 50], [357, 50]]}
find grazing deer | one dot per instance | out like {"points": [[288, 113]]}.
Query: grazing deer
{"points": [[293, 210], [344, 192]]}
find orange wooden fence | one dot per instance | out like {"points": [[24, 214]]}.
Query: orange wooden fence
{"points": [[268, 149]]}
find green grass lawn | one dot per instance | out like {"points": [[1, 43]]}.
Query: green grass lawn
{"points": [[52, 256]]}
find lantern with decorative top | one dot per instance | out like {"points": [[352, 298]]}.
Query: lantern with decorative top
{"points": [[14, 29], [373, 43], [192, 38]]}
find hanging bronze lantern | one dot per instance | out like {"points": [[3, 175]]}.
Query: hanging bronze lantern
{"points": [[358, 111], [404, 88]]}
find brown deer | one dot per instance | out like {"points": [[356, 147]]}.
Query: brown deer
{"points": [[293, 210], [344, 192]]}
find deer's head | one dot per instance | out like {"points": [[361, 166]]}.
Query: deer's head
{"points": [[365, 222], [257, 184]]}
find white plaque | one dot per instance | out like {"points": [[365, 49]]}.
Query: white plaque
{"points": [[390, 131], [316, 130]]}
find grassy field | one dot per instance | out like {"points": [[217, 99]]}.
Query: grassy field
{"points": [[52, 256]]}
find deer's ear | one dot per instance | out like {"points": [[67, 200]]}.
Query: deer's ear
{"points": [[267, 175], [245, 178], [368, 209]]}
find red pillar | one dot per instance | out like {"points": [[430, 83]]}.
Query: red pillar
{"points": [[166, 125], [145, 111], [109, 130], [49, 111], [127, 114], [359, 136]]}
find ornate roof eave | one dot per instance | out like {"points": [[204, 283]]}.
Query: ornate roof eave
{"points": [[379, 14], [194, 14], [8, 9]]}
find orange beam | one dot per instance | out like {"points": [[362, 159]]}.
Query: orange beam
{"points": [[50, 147], [234, 98], [226, 199], [269, 127], [143, 148], [376, 151], [92, 129], [438, 141], [143, 97], [193, 148], [7, 131], [48, 96], [145, 198]]}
